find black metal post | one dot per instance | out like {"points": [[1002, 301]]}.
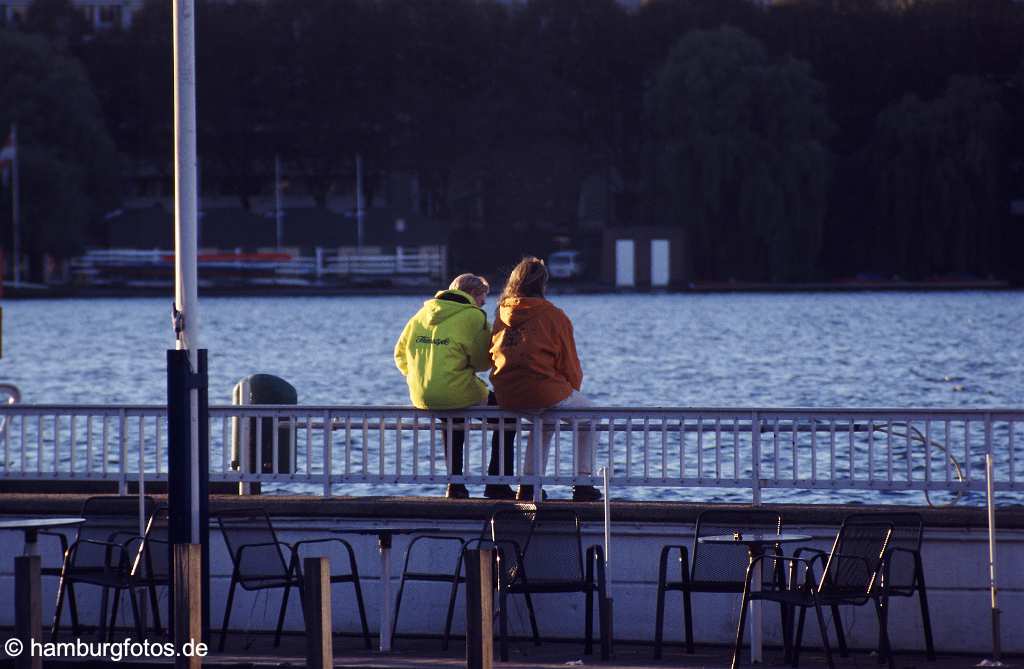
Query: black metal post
{"points": [[180, 484]]}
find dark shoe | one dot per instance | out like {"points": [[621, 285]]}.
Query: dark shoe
{"points": [[525, 494], [585, 493], [456, 491], [499, 492]]}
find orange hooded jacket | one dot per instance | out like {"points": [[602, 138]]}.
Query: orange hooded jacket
{"points": [[535, 365]]}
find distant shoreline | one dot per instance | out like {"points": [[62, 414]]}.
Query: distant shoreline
{"points": [[75, 292]]}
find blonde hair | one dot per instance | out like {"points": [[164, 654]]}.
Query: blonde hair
{"points": [[470, 283], [528, 279]]}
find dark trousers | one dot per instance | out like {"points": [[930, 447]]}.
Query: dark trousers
{"points": [[459, 442]]}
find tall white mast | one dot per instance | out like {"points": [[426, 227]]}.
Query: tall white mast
{"points": [[186, 297]]}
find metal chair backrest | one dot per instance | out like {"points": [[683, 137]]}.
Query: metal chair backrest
{"points": [[508, 528], [152, 559], [108, 519], [265, 561], [722, 563], [852, 565], [555, 549], [907, 533], [549, 540]]}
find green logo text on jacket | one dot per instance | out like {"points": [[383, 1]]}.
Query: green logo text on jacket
{"points": [[441, 349]]}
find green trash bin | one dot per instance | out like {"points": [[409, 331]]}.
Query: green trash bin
{"points": [[262, 389]]}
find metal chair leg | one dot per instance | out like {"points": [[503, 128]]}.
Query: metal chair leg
{"points": [[533, 619], [154, 603], [451, 613], [884, 649], [837, 623], [503, 625], [744, 605], [798, 642], [113, 615], [55, 627], [362, 611], [787, 632], [926, 621], [688, 615], [588, 609], [101, 631], [398, 606], [659, 615], [227, 614], [135, 613], [280, 615], [588, 623], [823, 628], [76, 627]]}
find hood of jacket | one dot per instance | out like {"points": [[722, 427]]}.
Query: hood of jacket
{"points": [[514, 311], [444, 305]]}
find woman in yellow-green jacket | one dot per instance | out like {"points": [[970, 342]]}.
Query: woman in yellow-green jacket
{"points": [[439, 352]]}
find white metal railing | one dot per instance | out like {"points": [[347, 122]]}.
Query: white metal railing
{"points": [[98, 265], [328, 447]]}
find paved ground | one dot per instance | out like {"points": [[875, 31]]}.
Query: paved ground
{"points": [[256, 651], [421, 653]]}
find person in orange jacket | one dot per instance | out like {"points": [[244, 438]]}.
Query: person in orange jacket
{"points": [[535, 366]]}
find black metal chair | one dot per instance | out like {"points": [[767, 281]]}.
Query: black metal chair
{"points": [[850, 575], [902, 574], [259, 563], [714, 568], [418, 568], [151, 565], [542, 552], [102, 554]]}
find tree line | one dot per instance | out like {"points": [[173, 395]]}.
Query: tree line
{"points": [[808, 141]]}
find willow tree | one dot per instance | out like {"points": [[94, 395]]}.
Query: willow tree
{"points": [[70, 172], [742, 163], [939, 169]]}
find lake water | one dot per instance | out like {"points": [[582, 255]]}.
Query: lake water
{"points": [[943, 350]]}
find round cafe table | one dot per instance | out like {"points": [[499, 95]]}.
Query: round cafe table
{"points": [[31, 527], [756, 542], [385, 534]]}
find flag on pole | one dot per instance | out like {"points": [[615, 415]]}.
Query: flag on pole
{"points": [[7, 156]]}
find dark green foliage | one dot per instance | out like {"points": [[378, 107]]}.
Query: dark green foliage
{"points": [[939, 187], [70, 173], [766, 140], [742, 156]]}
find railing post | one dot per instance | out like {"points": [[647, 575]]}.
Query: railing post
{"points": [[479, 608], [122, 438], [328, 452], [28, 611], [990, 501], [316, 608], [539, 461], [755, 458]]}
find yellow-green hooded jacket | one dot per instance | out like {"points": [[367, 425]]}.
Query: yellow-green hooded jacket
{"points": [[441, 349]]}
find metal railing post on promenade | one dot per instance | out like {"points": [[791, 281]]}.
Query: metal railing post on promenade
{"points": [[991, 509], [480, 607], [609, 631], [316, 609]]}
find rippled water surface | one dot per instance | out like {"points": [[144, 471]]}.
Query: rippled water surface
{"points": [[944, 350]]}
